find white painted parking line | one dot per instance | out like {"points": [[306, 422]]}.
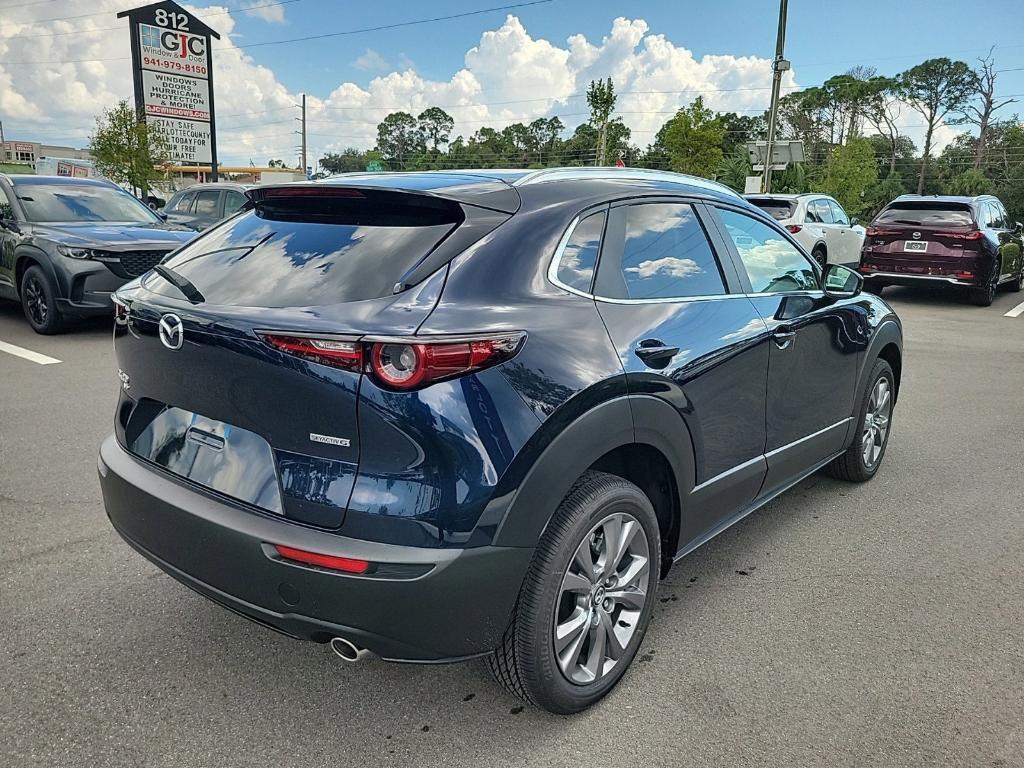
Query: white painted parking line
{"points": [[27, 354], [1016, 311]]}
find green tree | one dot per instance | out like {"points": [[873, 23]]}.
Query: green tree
{"points": [[126, 150], [349, 160], [546, 133], [739, 129], [883, 193], [692, 140], [436, 126], [578, 149], [733, 171], [935, 88], [849, 173], [601, 99], [275, 163], [970, 182], [398, 137], [882, 112]]}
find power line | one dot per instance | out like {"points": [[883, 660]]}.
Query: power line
{"points": [[307, 38]]}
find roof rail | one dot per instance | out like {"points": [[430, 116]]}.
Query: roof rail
{"points": [[614, 174]]}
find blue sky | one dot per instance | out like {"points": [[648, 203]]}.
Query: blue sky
{"points": [[824, 37]]}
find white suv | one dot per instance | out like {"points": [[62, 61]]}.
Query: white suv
{"points": [[818, 223]]}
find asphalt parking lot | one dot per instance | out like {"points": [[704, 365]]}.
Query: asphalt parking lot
{"points": [[841, 625]]}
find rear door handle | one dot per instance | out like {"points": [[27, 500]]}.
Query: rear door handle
{"points": [[654, 353], [783, 338]]}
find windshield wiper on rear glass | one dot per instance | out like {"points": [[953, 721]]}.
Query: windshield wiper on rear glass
{"points": [[181, 283]]}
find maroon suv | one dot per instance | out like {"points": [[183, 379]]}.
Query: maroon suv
{"points": [[965, 241]]}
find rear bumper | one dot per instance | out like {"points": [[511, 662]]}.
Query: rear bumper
{"points": [[905, 278], [457, 609]]}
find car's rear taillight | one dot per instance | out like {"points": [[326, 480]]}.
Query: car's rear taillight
{"points": [[412, 364], [325, 350], [974, 234], [794, 228], [402, 363]]}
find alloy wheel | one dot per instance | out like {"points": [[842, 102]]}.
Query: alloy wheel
{"points": [[35, 301], [601, 599], [876, 422]]}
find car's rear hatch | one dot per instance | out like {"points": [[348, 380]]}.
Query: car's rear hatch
{"points": [[923, 238], [779, 208], [207, 398]]}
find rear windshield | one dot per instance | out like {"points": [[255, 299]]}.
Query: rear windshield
{"points": [[777, 209], [927, 215], [308, 251]]}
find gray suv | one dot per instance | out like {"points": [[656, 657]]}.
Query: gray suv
{"points": [[203, 205], [67, 243]]}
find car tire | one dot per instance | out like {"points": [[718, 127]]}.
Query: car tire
{"points": [[858, 463], [984, 296], [874, 286], [38, 301], [558, 605], [820, 256], [1014, 285]]}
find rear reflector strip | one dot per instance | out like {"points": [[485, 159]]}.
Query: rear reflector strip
{"points": [[343, 564]]}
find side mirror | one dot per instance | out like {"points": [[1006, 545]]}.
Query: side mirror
{"points": [[854, 221], [1018, 228], [161, 214], [841, 282]]}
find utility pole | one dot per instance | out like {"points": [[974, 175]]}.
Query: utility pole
{"points": [[302, 157], [3, 144], [779, 65]]}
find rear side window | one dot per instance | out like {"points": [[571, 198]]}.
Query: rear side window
{"points": [[777, 209], [838, 214], [772, 263], [207, 202], [579, 256], [184, 203], [665, 254], [927, 214], [818, 211], [313, 250], [233, 202]]}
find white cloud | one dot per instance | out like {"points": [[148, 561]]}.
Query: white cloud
{"points": [[371, 61], [667, 265], [265, 10], [508, 76]]}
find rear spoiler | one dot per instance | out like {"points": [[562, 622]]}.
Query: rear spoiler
{"points": [[481, 192]]}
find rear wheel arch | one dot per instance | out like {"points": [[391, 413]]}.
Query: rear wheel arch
{"points": [[626, 436], [894, 357]]}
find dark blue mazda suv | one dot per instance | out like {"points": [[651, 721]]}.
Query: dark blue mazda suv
{"points": [[438, 416]]}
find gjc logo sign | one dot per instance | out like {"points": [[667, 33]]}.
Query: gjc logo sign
{"points": [[178, 44]]}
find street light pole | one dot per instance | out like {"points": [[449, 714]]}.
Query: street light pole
{"points": [[779, 65]]}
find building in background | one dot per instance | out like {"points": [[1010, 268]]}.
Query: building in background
{"points": [[28, 152]]}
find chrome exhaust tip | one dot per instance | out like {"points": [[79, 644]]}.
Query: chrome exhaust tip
{"points": [[347, 650]]}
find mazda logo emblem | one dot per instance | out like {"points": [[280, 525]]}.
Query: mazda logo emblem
{"points": [[917, 235], [172, 333]]}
